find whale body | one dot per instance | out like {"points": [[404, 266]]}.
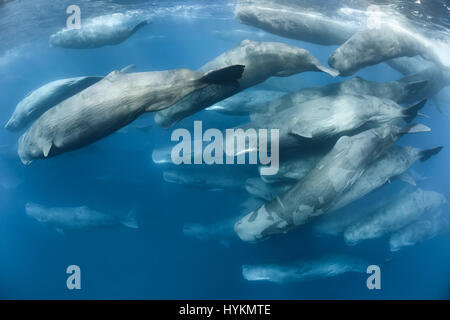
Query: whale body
{"points": [[398, 91], [98, 32], [304, 270], [328, 118], [111, 104], [294, 22], [77, 218]]}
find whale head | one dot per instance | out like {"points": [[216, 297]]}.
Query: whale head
{"points": [[32, 147], [37, 212]]}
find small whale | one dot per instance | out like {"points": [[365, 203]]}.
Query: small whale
{"points": [[77, 218], [99, 31], [323, 267]]}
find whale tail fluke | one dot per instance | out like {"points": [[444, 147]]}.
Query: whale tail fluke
{"points": [[428, 153], [130, 220], [411, 112], [413, 87], [228, 75]]}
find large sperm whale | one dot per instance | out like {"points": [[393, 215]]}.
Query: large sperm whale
{"points": [[313, 195], [262, 60], [324, 119], [295, 22], [111, 104]]}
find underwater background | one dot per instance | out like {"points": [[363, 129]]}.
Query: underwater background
{"points": [[117, 174]]}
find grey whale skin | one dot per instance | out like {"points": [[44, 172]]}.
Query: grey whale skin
{"points": [[372, 46], [98, 32], [397, 214], [262, 60], [425, 229], [77, 218], [304, 270], [111, 104], [319, 120], [45, 97], [397, 91], [295, 23], [313, 195]]}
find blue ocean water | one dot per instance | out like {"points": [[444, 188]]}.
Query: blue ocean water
{"points": [[158, 261]]}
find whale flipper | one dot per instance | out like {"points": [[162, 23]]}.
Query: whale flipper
{"points": [[46, 148]]}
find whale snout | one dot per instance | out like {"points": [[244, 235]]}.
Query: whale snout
{"points": [[245, 231]]}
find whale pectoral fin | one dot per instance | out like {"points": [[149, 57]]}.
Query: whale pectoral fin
{"points": [[59, 231], [46, 148], [407, 179]]}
